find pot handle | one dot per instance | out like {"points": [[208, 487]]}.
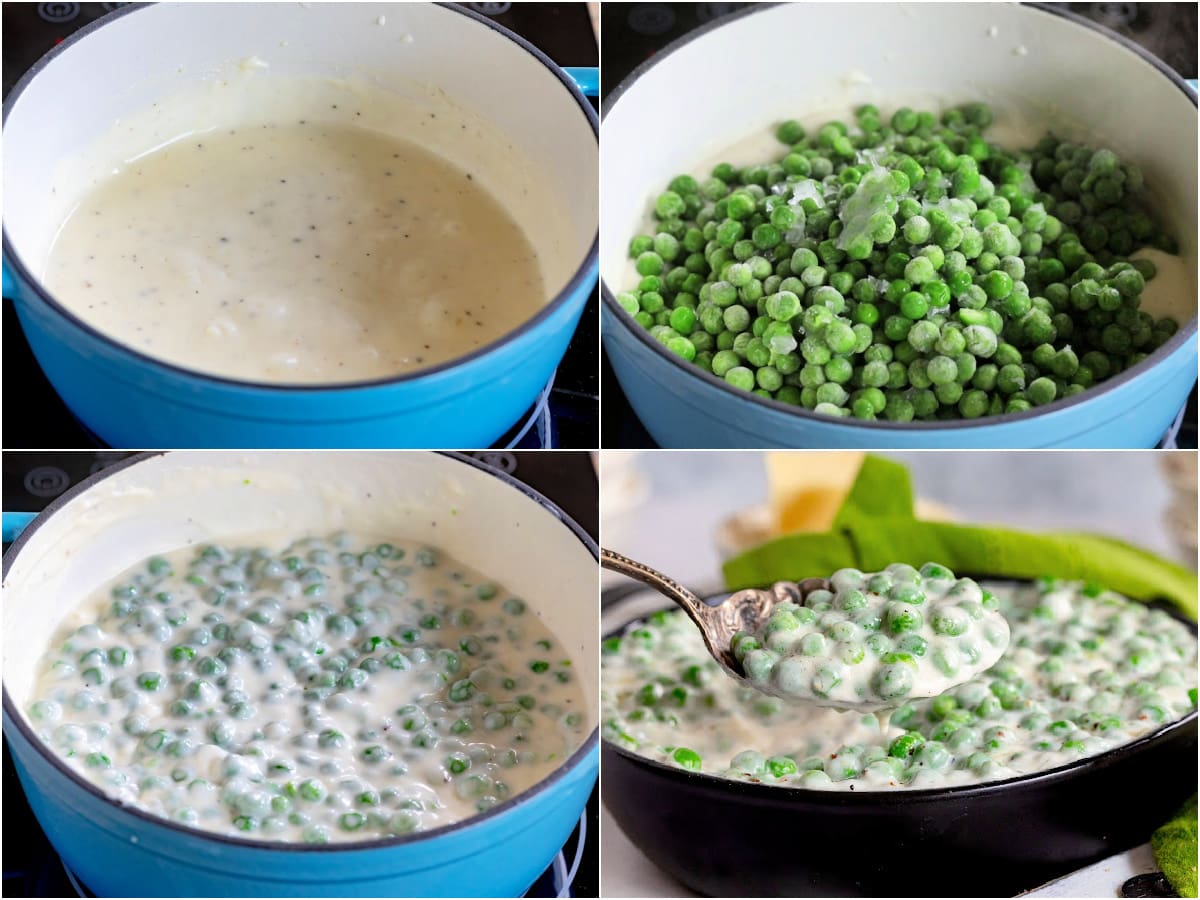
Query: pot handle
{"points": [[15, 522], [586, 78]]}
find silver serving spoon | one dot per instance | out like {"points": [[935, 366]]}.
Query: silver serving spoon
{"points": [[746, 610]]}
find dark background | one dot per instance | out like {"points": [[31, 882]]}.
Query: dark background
{"points": [[562, 31], [634, 32], [31, 481]]}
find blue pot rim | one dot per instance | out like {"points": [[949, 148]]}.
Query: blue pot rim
{"points": [[780, 796], [15, 719], [1186, 333], [584, 273]]}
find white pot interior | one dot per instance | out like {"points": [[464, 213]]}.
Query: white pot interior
{"points": [[1039, 71], [413, 70], [167, 502]]}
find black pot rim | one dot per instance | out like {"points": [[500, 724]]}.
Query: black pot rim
{"points": [[14, 718], [583, 273], [779, 795], [1185, 335]]}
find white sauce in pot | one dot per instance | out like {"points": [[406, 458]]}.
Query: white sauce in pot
{"points": [[1172, 290], [326, 690], [300, 252]]}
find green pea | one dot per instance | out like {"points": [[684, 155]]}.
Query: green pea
{"points": [[906, 745], [149, 681], [311, 789], [901, 618], [687, 759], [98, 760]]}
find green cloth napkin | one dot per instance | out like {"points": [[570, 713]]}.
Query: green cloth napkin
{"points": [[1175, 850], [876, 526]]}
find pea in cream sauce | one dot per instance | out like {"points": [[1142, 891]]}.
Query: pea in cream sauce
{"points": [[1085, 671], [299, 251], [332, 690]]}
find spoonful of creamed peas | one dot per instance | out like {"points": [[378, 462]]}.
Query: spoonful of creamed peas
{"points": [[854, 641]]}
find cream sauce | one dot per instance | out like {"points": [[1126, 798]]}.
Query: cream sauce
{"points": [[1172, 290], [299, 252], [318, 690], [1082, 674]]}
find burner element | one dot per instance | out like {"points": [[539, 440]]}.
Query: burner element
{"points": [[58, 12], [505, 462], [47, 481], [1115, 15], [652, 18], [491, 9]]}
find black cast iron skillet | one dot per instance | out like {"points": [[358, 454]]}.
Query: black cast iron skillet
{"points": [[736, 839]]}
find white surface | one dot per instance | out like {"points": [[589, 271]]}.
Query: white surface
{"points": [[1102, 879], [681, 497], [627, 873]]}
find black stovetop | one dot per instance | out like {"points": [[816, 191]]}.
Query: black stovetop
{"points": [[561, 30], [31, 481], [634, 32]]}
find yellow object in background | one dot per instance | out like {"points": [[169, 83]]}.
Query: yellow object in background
{"points": [[806, 489]]}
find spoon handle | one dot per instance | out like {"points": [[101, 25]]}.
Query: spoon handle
{"points": [[717, 624], [699, 611]]}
